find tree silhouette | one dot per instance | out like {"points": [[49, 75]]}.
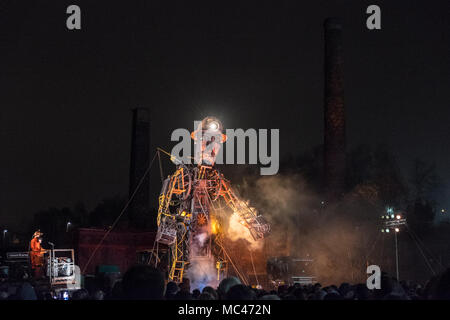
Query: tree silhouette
{"points": [[424, 179], [107, 211]]}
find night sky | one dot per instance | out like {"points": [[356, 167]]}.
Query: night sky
{"points": [[66, 96]]}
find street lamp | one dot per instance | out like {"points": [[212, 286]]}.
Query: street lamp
{"points": [[67, 226], [394, 222]]}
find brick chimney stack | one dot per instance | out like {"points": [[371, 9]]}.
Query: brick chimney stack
{"points": [[140, 158], [334, 111]]}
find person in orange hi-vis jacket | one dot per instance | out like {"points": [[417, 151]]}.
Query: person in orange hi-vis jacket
{"points": [[37, 255]]}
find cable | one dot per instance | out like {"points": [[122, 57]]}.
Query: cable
{"points": [[254, 270], [160, 167], [121, 213], [152, 254], [235, 268], [416, 240], [425, 247], [232, 263], [223, 248], [421, 252], [157, 254], [172, 157]]}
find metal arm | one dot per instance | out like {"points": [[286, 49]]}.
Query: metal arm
{"points": [[255, 223]]}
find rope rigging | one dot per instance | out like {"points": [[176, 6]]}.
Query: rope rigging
{"points": [[121, 213], [412, 234]]}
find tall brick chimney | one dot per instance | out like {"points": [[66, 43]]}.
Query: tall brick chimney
{"points": [[334, 112], [140, 158]]}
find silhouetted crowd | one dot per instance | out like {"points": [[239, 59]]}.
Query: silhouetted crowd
{"points": [[146, 283]]}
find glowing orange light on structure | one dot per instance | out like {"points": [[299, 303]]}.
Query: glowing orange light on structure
{"points": [[214, 226], [201, 219]]}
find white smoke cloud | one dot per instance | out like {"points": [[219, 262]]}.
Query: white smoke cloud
{"points": [[337, 236], [202, 272], [237, 231], [201, 238]]}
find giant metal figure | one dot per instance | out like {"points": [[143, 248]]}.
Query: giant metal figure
{"points": [[190, 216]]}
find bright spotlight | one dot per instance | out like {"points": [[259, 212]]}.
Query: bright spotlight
{"points": [[387, 230], [397, 229], [398, 217], [392, 216], [214, 126]]}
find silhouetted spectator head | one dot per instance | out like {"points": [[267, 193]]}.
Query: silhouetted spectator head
{"points": [[185, 285], [116, 291], [333, 288], [392, 296], [143, 283], [172, 287], [333, 296], [205, 296], [4, 295], [429, 291], [283, 289], [171, 290], [47, 296], [81, 294], [443, 286], [261, 292], [240, 292], [211, 292], [98, 295], [362, 292], [386, 284], [299, 294], [319, 295], [183, 295], [196, 293], [26, 292], [344, 288], [398, 290], [270, 297], [226, 284]]}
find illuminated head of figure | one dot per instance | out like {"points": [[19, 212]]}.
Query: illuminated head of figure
{"points": [[208, 136], [37, 234]]}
